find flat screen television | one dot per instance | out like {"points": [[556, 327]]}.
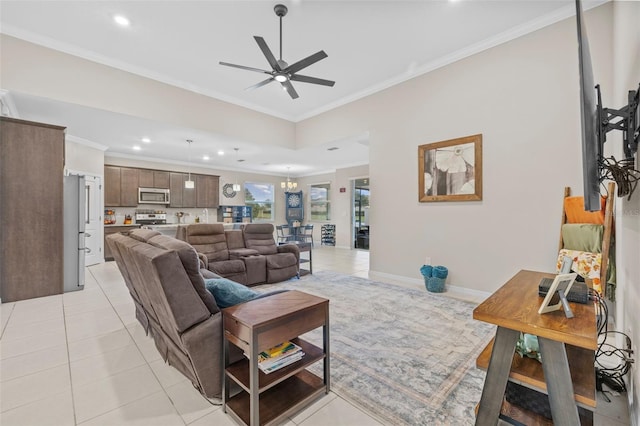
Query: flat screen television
{"points": [[591, 141]]}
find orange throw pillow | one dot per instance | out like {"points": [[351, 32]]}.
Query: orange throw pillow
{"points": [[574, 209]]}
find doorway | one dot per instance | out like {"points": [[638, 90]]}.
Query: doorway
{"points": [[361, 229]]}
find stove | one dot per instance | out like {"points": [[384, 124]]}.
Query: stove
{"points": [[151, 217]]}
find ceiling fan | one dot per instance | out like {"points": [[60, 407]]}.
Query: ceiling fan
{"points": [[281, 71]]}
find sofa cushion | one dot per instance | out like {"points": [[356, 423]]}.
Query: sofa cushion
{"points": [[178, 307], [228, 293], [209, 239], [191, 264], [235, 239], [259, 236], [142, 234], [228, 267], [281, 260]]}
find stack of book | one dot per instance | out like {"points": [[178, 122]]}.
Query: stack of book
{"points": [[279, 356]]}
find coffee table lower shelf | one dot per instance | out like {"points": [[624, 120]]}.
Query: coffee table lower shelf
{"points": [[280, 400]]}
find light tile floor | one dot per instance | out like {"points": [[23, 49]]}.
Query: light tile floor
{"points": [[82, 359]]}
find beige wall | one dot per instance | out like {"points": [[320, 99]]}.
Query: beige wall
{"points": [[83, 158], [39, 71], [523, 97], [626, 49]]}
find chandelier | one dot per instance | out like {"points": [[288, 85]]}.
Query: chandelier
{"points": [[288, 184]]}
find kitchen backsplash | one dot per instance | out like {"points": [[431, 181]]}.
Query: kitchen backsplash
{"points": [[189, 214]]}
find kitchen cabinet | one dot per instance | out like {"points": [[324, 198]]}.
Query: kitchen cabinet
{"points": [[129, 187], [181, 196], [121, 186], [31, 206], [153, 178], [112, 186], [176, 187], [207, 194]]}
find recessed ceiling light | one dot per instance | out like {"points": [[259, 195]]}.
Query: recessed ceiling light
{"points": [[146, 140], [137, 148], [205, 157], [220, 152], [123, 21]]}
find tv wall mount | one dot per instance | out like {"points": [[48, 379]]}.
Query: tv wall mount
{"points": [[625, 120]]}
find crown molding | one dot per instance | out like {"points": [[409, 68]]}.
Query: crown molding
{"points": [[8, 106], [504, 37], [85, 142]]}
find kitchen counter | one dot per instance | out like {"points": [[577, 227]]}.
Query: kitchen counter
{"points": [[114, 229]]}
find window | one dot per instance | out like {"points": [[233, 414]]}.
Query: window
{"points": [[319, 202], [260, 197]]}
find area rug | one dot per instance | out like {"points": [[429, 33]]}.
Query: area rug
{"points": [[405, 356]]}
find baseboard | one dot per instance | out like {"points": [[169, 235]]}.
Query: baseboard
{"points": [[419, 284]]}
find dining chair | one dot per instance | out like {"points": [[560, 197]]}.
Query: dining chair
{"points": [[306, 234], [284, 233]]}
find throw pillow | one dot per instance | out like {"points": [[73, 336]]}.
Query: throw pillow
{"points": [[228, 293]]}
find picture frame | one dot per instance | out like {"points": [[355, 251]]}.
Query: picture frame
{"points": [[450, 170], [552, 300]]}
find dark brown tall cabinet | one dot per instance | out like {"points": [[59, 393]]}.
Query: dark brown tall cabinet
{"points": [[31, 209]]}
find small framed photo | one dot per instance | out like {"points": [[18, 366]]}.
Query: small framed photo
{"points": [[552, 300]]}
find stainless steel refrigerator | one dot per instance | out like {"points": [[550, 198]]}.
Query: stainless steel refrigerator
{"points": [[75, 218]]}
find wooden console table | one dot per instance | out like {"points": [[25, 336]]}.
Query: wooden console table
{"points": [[567, 347], [261, 324]]}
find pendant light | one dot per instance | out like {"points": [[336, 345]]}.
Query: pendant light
{"points": [[189, 184], [288, 185], [236, 186]]}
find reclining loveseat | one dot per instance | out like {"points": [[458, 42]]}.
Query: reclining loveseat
{"points": [[249, 256], [167, 285]]}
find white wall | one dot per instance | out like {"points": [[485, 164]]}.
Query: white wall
{"points": [[626, 49], [523, 97], [39, 71], [83, 158]]}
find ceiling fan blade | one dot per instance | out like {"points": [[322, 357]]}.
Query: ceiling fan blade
{"points": [[289, 88], [313, 80], [242, 67], [309, 60], [262, 83], [267, 53]]}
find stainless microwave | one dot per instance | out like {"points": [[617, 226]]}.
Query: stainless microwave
{"points": [[153, 196]]}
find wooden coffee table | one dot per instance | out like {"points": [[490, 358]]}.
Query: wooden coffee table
{"points": [[263, 323]]}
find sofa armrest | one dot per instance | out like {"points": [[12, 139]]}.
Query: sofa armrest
{"points": [[290, 248], [239, 253], [206, 274], [204, 261]]}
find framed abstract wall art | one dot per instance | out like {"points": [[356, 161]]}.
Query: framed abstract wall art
{"points": [[450, 170]]}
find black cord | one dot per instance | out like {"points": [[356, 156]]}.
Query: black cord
{"points": [[612, 377], [622, 172]]}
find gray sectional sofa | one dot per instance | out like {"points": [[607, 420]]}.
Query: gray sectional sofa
{"points": [[249, 256], [167, 285]]}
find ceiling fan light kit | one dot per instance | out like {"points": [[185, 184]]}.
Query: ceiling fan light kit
{"points": [[281, 71]]}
